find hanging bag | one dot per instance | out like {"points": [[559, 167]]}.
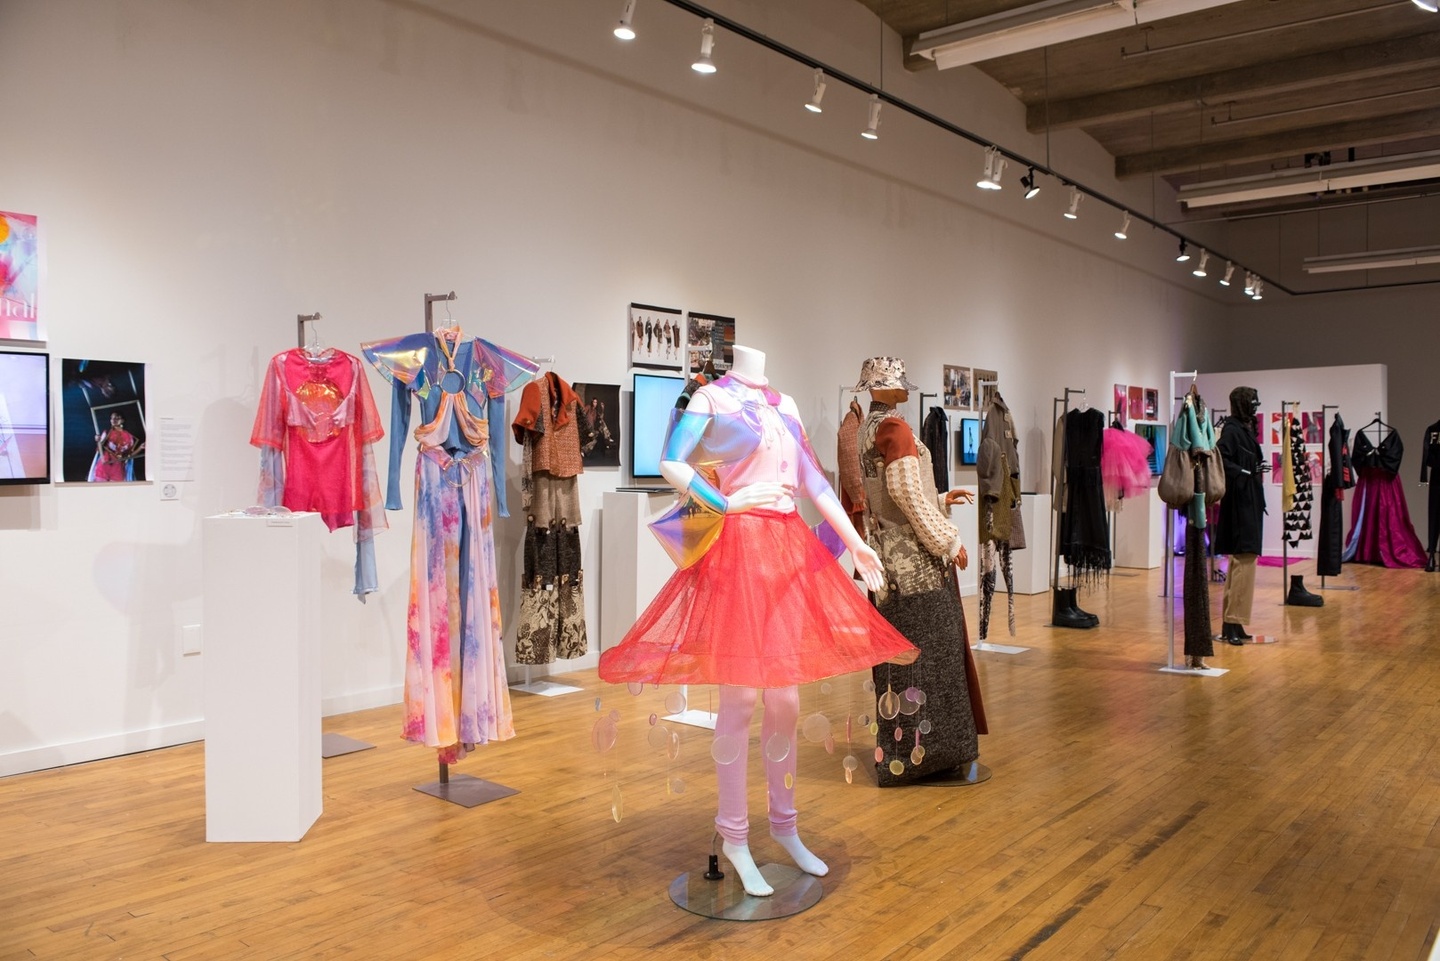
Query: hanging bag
{"points": [[1177, 479]]}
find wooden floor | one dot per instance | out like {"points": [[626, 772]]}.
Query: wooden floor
{"points": [[1289, 809]]}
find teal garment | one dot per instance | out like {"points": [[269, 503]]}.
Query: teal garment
{"points": [[1192, 431]]}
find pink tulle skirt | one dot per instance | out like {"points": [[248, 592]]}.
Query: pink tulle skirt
{"points": [[767, 606], [1124, 466]]}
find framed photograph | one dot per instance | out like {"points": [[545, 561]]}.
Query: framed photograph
{"points": [[1275, 467], [711, 340], [1312, 462], [19, 277], [967, 441], [986, 382], [957, 387], [1313, 423], [656, 336], [1152, 403], [1121, 404], [1158, 436], [600, 434], [1276, 422], [1136, 401], [102, 405]]}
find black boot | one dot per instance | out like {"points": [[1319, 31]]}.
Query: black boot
{"points": [[1299, 596], [1081, 612], [1430, 564], [1232, 634], [1063, 613]]}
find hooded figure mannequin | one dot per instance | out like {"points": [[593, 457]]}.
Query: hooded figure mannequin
{"points": [[1240, 530]]}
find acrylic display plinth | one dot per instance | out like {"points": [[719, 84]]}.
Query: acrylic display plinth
{"points": [[635, 564], [1140, 532], [262, 676], [1032, 565]]}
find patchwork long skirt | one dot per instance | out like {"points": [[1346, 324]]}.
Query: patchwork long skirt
{"points": [[456, 695]]}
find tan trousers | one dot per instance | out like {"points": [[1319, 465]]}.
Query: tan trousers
{"points": [[1239, 589]]}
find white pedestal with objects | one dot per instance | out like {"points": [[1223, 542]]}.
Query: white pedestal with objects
{"points": [[1032, 565], [1140, 532], [262, 629], [635, 564]]}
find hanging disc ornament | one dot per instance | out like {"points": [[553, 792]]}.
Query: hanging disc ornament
{"points": [[816, 728], [888, 705], [725, 749]]}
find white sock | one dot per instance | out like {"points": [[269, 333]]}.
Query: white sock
{"points": [[744, 865], [801, 855]]}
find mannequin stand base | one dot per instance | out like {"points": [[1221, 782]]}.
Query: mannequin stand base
{"points": [[466, 791], [694, 718], [726, 900], [1338, 587], [998, 648], [1196, 671], [962, 776], [334, 745], [544, 688]]}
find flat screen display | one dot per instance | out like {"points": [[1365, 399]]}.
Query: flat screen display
{"points": [[650, 407], [969, 440], [24, 417]]}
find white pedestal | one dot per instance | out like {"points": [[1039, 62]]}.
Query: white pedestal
{"points": [[1140, 533], [1032, 565], [635, 566], [262, 677]]}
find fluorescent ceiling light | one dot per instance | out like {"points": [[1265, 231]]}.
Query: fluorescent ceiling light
{"points": [[1313, 180], [1040, 25], [1372, 260]]}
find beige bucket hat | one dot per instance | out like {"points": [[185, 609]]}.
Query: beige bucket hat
{"points": [[883, 373]]}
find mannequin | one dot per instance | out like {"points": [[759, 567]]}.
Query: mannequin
{"points": [[908, 522], [739, 616], [1240, 530]]}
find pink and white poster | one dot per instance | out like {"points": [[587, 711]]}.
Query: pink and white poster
{"points": [[19, 277]]}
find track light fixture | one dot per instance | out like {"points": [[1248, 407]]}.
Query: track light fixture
{"points": [[872, 129], [624, 30], [994, 167], [1199, 270], [1184, 253], [1229, 270], [1259, 290], [1124, 231], [1075, 197], [814, 105], [1028, 182], [1430, 6], [707, 46], [1249, 287]]}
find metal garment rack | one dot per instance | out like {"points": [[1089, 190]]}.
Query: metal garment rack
{"points": [[985, 645], [1324, 454], [1114, 416], [331, 744], [1062, 404], [1167, 590], [461, 789], [1285, 428]]}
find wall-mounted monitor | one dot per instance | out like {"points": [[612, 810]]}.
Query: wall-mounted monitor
{"points": [[24, 417], [969, 441], [650, 406]]}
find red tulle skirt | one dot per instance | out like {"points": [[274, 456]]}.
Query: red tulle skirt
{"points": [[767, 606]]}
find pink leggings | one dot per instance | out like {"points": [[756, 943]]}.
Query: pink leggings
{"points": [[782, 712]]}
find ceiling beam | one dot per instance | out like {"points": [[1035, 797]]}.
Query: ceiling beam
{"points": [[1312, 70], [1284, 143]]}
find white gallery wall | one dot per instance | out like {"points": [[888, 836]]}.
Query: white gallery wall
{"points": [[205, 170], [1396, 328]]}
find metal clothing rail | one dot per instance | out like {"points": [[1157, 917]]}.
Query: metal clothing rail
{"points": [[920, 113]]}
